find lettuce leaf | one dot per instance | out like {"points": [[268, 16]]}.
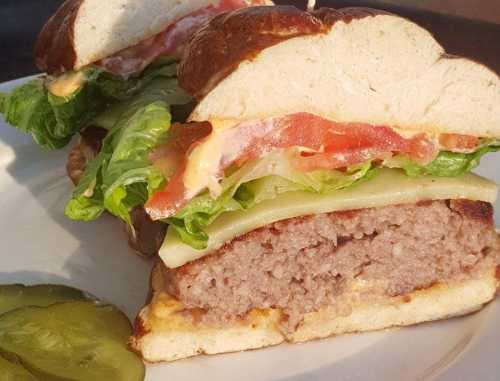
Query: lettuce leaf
{"points": [[74, 112], [53, 120], [122, 176], [86, 201], [118, 88], [170, 92], [253, 183], [28, 108], [446, 164]]}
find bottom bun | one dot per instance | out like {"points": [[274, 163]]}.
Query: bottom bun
{"points": [[166, 331]]}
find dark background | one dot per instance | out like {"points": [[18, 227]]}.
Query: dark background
{"points": [[21, 20]]}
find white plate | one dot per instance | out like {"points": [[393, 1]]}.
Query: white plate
{"points": [[41, 245]]}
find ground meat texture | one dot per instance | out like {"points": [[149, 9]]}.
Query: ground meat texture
{"points": [[302, 264]]}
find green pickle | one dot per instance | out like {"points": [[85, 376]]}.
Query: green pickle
{"points": [[81, 340], [16, 295], [14, 372]]}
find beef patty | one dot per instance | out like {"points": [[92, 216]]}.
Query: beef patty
{"points": [[302, 264]]}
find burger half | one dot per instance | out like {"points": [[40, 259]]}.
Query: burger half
{"points": [[111, 80], [321, 185]]}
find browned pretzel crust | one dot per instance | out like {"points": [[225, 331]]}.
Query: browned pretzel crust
{"points": [[54, 48], [218, 48]]}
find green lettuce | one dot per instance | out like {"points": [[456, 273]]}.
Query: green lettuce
{"points": [[122, 177], [253, 183], [446, 164], [53, 120], [28, 109], [118, 88]]}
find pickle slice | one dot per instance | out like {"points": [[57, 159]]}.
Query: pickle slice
{"points": [[13, 296], [14, 372], [71, 341]]}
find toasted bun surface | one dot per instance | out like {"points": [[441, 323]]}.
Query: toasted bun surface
{"points": [[84, 31], [345, 65], [164, 333], [54, 48]]}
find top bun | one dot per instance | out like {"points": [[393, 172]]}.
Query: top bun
{"points": [[85, 31], [347, 65]]}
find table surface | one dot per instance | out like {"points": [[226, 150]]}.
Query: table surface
{"points": [[23, 19]]}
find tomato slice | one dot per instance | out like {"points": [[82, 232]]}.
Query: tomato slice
{"points": [[323, 144], [458, 143], [167, 202], [337, 144]]}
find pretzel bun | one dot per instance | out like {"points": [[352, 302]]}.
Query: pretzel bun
{"points": [[85, 31], [347, 65]]}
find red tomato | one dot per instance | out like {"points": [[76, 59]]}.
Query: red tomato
{"points": [[166, 203], [337, 144], [455, 142]]}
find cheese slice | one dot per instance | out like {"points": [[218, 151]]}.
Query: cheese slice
{"points": [[389, 187]]}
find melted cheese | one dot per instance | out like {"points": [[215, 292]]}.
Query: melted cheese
{"points": [[203, 164], [390, 187], [67, 84]]}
